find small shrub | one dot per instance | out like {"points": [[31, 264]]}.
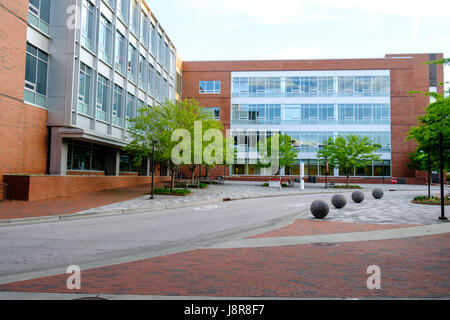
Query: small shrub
{"points": [[350, 186], [166, 191]]}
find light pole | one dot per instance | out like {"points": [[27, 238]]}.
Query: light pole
{"points": [[153, 169], [441, 178], [321, 147]]}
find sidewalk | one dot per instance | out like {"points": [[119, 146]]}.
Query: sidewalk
{"points": [[68, 205]]}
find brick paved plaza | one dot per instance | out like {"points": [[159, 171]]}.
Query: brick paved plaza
{"points": [[304, 258]]}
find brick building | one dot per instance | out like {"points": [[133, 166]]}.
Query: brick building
{"points": [[312, 100], [73, 72]]}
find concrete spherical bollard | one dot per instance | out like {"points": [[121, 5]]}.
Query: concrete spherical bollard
{"points": [[377, 193], [319, 209], [338, 201], [358, 196]]}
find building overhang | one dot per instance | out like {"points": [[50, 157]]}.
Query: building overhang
{"points": [[91, 137]]}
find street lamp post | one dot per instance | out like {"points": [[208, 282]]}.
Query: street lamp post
{"points": [[441, 179], [153, 170], [321, 147]]}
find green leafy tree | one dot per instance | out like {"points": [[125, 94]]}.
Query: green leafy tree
{"points": [[208, 123], [435, 122], [351, 151], [283, 153], [156, 125]]}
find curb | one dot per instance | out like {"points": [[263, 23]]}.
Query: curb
{"points": [[95, 214]]}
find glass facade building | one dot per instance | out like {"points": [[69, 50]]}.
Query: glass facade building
{"points": [[311, 107]]}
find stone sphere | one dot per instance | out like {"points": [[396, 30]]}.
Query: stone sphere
{"points": [[338, 201], [377, 193], [358, 196], [319, 209]]}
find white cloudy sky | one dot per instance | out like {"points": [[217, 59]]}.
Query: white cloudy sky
{"points": [[300, 29]]}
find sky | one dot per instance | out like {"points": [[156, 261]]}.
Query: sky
{"points": [[297, 29]]}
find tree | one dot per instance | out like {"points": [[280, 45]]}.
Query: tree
{"points": [[208, 125], [281, 154], [351, 151], [157, 125], [435, 122]]}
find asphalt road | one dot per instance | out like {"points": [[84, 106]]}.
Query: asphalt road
{"points": [[36, 250]]}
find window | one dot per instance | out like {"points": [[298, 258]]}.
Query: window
{"points": [[179, 84], [292, 112], [102, 98], [382, 86], [127, 164], [160, 49], [151, 80], [142, 72], [210, 87], [214, 113], [363, 86], [273, 87], [158, 92], [345, 86], [84, 90], [131, 106], [122, 9], [88, 25], [132, 63], [105, 40], [39, 14], [36, 67], [120, 54], [145, 30], [167, 57], [326, 86], [134, 17], [292, 86], [86, 157], [154, 42], [117, 106]]}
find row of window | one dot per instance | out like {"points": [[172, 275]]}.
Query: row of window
{"points": [[141, 27], [102, 104], [307, 141], [314, 167], [310, 114], [311, 86]]}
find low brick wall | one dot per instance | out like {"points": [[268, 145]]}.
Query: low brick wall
{"points": [[30, 188], [340, 180]]}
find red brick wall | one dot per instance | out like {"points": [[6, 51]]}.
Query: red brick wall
{"points": [[23, 129]]}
